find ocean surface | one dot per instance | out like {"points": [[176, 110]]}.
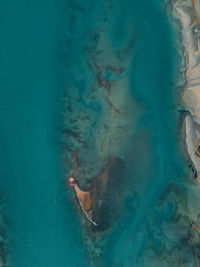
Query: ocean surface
{"points": [[43, 229], [52, 53]]}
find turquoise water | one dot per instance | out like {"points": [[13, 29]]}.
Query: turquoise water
{"points": [[42, 225], [54, 58], [146, 218]]}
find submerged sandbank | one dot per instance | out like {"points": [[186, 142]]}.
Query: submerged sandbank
{"points": [[98, 130]]}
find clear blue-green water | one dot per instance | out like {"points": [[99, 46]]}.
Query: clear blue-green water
{"points": [[51, 55], [43, 229]]}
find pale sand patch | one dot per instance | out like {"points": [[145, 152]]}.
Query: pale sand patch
{"points": [[192, 141], [191, 98], [188, 14], [196, 92], [196, 7], [84, 198]]}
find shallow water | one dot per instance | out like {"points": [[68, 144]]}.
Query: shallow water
{"points": [[57, 56], [152, 212]]}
